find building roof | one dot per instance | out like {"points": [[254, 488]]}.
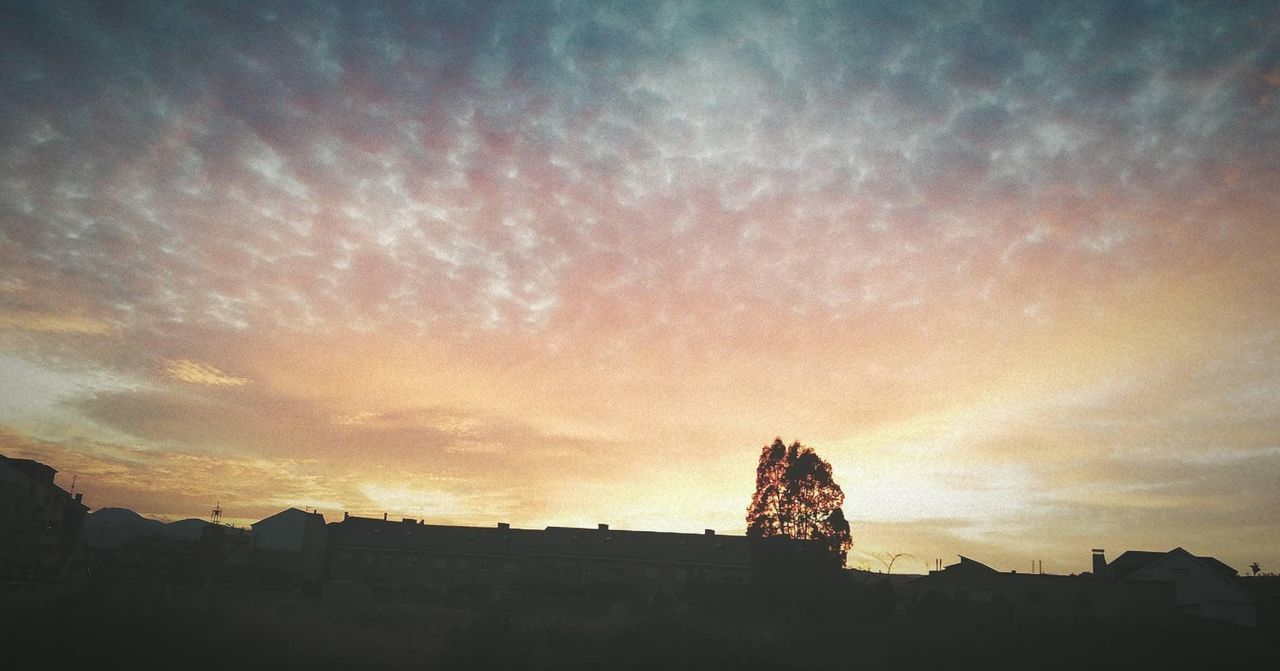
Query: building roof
{"points": [[288, 512], [656, 546], [1226, 577], [1132, 561], [27, 473], [31, 469], [599, 543]]}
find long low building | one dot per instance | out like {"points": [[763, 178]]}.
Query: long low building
{"points": [[409, 555]]}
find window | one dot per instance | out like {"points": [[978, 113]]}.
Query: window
{"points": [[615, 571], [651, 571], [509, 567], [463, 565], [485, 566], [682, 574], [344, 556]]}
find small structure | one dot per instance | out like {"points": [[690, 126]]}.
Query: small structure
{"points": [[289, 549], [1046, 595], [224, 552], [1204, 587]]}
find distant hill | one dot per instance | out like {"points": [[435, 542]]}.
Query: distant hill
{"points": [[111, 527]]}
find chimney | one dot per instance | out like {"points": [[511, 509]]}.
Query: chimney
{"points": [[408, 520], [345, 515], [503, 525], [79, 497], [602, 527], [1100, 569], [384, 517], [709, 532]]}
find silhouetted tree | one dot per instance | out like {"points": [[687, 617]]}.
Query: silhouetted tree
{"points": [[1255, 568], [797, 499]]}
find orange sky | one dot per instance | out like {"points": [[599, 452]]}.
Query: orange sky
{"points": [[575, 267]]}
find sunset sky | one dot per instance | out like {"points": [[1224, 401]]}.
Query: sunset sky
{"points": [[1014, 270]]}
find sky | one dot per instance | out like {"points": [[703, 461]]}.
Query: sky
{"points": [[1011, 267]]}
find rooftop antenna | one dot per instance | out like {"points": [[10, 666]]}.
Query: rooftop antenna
{"points": [[73, 484], [215, 515]]}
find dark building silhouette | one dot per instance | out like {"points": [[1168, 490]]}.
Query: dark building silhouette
{"points": [[39, 521], [224, 553], [289, 549], [1045, 595], [378, 555], [153, 559], [1203, 587]]}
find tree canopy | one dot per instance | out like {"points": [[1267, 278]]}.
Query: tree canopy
{"points": [[796, 498]]}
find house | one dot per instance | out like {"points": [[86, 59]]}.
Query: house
{"points": [[39, 521], [289, 549], [1045, 595], [224, 552], [409, 556], [1203, 586]]}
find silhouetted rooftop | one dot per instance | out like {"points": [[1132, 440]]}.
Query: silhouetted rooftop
{"points": [[603, 543], [1134, 560]]}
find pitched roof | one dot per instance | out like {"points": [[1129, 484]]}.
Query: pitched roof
{"points": [[1212, 570], [287, 512], [1132, 561]]}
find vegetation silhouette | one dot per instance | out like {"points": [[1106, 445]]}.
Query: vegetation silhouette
{"points": [[795, 514]]}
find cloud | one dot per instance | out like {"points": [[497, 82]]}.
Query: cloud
{"points": [[195, 372], [526, 246], [52, 323], [171, 483]]}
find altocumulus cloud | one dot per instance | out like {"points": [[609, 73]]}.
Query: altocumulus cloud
{"points": [[523, 248]]}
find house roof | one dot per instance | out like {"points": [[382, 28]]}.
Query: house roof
{"points": [[1132, 561], [288, 512], [1228, 578], [30, 468], [29, 472]]}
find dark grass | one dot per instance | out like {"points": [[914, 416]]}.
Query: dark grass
{"points": [[228, 629]]}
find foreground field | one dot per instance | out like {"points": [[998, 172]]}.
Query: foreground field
{"points": [[218, 629]]}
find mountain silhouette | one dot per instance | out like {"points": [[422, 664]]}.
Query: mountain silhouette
{"points": [[112, 527]]}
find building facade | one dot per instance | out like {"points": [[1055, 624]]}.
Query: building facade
{"points": [[39, 521], [289, 549], [409, 556], [1204, 587]]}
